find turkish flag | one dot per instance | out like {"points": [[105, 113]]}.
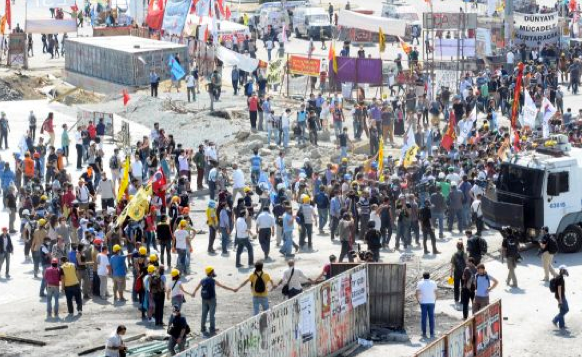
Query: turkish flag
{"points": [[158, 181], [450, 136], [8, 14]]}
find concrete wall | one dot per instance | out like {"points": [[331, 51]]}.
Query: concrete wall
{"points": [[319, 322]]}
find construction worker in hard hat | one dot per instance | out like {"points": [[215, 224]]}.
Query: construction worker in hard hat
{"points": [[182, 238], [175, 290], [140, 263], [208, 294], [306, 218]]}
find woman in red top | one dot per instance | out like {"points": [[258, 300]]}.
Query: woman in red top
{"points": [[253, 110], [49, 127]]}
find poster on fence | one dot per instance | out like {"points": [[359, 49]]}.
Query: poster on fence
{"points": [[297, 86], [346, 294], [307, 310], [304, 65], [460, 340], [536, 29], [325, 299], [481, 331], [447, 78], [85, 116], [436, 349], [359, 295]]}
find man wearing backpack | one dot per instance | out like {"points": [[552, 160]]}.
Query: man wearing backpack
{"points": [[467, 290], [558, 287], [476, 246], [178, 330], [482, 286], [510, 251], [259, 280], [208, 294], [458, 265], [157, 288], [4, 130], [115, 167], [548, 248]]}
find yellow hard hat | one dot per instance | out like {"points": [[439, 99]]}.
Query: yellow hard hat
{"points": [[183, 223], [208, 270], [344, 159], [450, 280], [153, 258], [175, 272], [306, 199], [175, 199], [41, 222], [247, 189], [43, 198], [143, 250], [116, 248], [151, 268]]}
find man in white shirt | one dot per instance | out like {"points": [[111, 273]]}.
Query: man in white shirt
{"points": [[509, 57], [137, 169], [238, 181], [114, 343], [242, 240], [190, 87], [293, 278], [285, 126], [426, 295], [478, 212], [265, 230], [103, 270], [107, 190]]}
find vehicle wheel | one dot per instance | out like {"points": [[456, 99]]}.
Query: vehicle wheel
{"points": [[571, 239], [297, 33]]}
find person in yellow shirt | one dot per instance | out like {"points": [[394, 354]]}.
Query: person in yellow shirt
{"points": [[70, 285], [259, 280], [212, 221]]}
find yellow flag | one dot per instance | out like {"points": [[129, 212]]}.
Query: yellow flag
{"points": [[124, 180], [381, 160], [405, 46], [332, 58], [138, 206], [409, 156], [3, 25], [382, 40]]}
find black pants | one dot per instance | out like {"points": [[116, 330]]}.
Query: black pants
{"points": [[253, 118], [211, 238], [96, 285], [159, 308], [79, 156], [457, 280], [426, 231], [294, 292], [32, 129], [154, 89], [345, 252], [375, 254], [479, 225], [4, 135], [265, 240], [334, 225], [107, 202], [74, 292], [235, 87], [466, 296], [241, 244]]}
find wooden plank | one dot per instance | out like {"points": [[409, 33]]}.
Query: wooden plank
{"points": [[60, 327], [102, 347], [28, 341]]}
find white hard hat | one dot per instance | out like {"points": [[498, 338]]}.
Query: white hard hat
{"points": [[25, 212]]}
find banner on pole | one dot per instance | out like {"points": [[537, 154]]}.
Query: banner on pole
{"points": [[536, 29], [304, 65], [175, 16]]}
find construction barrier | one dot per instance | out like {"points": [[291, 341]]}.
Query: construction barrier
{"points": [[321, 321], [479, 336]]}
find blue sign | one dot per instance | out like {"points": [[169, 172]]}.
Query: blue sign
{"points": [[175, 16]]}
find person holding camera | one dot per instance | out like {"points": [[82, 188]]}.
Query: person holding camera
{"points": [[292, 280], [114, 346]]}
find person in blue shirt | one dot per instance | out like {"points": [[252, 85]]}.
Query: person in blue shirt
{"points": [[302, 123], [118, 272], [288, 226], [256, 161], [235, 76], [7, 176]]}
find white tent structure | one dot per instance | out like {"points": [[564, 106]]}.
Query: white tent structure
{"points": [[351, 19]]}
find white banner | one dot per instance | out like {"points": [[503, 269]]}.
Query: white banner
{"points": [[393, 27], [359, 295], [231, 58], [451, 47], [51, 26], [483, 42], [532, 29], [530, 111]]}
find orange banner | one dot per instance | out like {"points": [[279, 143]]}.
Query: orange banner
{"points": [[304, 65]]}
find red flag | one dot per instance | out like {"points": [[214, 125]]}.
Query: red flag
{"points": [[155, 15], [126, 97], [158, 181], [75, 8], [227, 13], [516, 94], [8, 14], [572, 5], [450, 136], [220, 7]]}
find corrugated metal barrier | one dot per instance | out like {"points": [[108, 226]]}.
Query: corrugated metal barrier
{"points": [[318, 322]]}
